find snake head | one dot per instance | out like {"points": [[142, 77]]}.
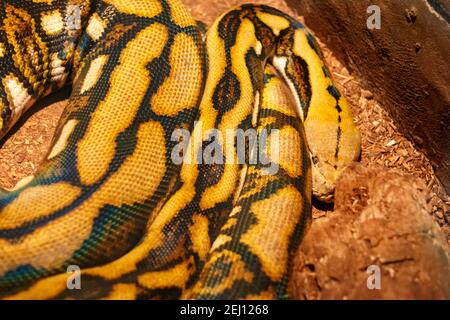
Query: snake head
{"points": [[323, 181], [333, 147]]}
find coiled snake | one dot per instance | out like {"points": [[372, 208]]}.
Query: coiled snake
{"points": [[110, 199]]}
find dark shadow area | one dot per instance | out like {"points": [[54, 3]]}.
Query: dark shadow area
{"points": [[58, 96], [322, 205]]}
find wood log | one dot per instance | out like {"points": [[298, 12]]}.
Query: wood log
{"points": [[380, 243], [404, 63]]}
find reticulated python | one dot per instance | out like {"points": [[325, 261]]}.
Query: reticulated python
{"points": [[109, 197]]}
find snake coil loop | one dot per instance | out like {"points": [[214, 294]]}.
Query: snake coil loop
{"points": [[110, 199]]}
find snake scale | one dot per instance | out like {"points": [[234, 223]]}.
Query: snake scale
{"points": [[110, 199]]}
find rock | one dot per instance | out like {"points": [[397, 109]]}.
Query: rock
{"points": [[403, 63], [381, 223]]}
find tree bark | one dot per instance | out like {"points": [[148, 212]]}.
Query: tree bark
{"points": [[404, 63]]}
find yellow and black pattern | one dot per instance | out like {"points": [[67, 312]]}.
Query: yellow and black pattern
{"points": [[250, 259], [87, 204], [109, 198]]}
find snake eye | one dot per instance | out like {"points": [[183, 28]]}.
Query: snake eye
{"points": [[315, 159]]}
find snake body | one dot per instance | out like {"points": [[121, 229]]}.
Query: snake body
{"points": [[109, 197]]}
